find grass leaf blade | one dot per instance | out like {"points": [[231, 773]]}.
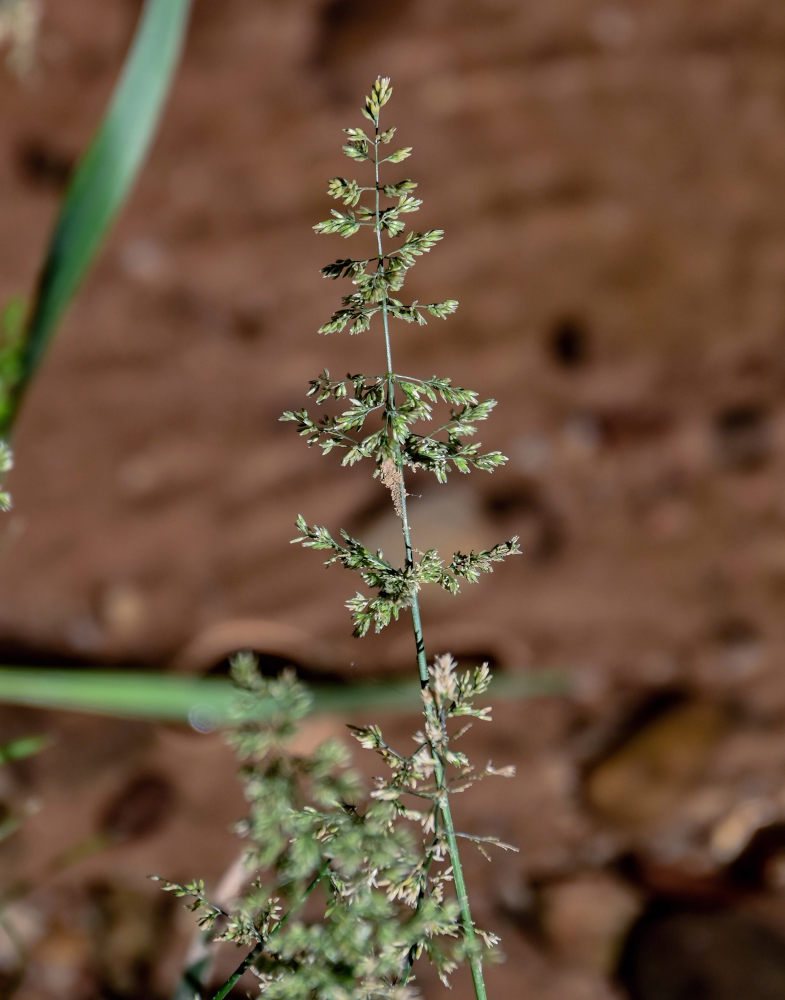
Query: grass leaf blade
{"points": [[105, 174], [207, 702]]}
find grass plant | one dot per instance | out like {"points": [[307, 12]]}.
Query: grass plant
{"points": [[349, 888]]}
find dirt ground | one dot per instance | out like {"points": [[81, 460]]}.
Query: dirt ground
{"points": [[609, 176]]}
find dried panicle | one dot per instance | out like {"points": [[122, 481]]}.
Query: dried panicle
{"points": [[391, 477]]}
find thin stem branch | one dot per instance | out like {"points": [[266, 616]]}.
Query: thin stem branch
{"points": [[474, 956], [258, 948]]}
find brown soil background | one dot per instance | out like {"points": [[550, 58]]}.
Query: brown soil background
{"points": [[610, 179]]}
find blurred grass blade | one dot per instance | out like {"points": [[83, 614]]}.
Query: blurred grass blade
{"points": [[105, 174], [25, 746], [208, 702], [205, 702]]}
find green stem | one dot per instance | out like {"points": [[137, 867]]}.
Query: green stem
{"points": [[474, 955], [258, 948], [242, 968]]}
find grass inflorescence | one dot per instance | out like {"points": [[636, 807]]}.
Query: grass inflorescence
{"points": [[349, 887]]}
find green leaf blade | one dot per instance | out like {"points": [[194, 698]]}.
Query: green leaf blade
{"points": [[105, 174]]}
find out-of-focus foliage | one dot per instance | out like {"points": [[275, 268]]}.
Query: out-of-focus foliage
{"points": [[103, 179], [19, 23]]}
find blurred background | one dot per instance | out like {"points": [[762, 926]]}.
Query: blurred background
{"points": [[610, 177]]}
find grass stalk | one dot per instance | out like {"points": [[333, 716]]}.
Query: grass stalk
{"points": [[475, 959]]}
